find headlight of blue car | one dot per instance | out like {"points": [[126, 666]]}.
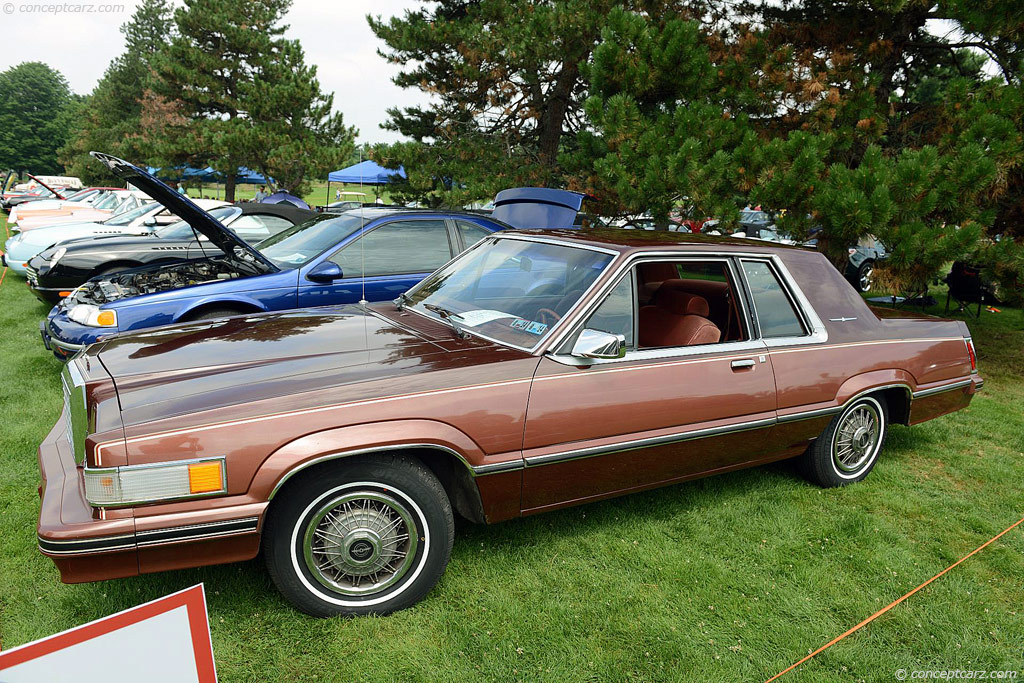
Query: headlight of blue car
{"points": [[93, 316]]}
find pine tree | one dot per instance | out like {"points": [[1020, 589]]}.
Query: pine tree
{"points": [[110, 119], [507, 83], [248, 97]]}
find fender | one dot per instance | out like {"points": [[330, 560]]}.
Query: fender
{"points": [[343, 442], [232, 299], [876, 379]]}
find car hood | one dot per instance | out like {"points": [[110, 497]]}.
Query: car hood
{"points": [[186, 369], [183, 207], [44, 237]]}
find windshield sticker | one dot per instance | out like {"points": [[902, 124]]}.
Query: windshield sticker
{"points": [[481, 316], [536, 328], [519, 324]]}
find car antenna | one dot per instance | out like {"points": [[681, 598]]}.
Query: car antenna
{"points": [[362, 240]]}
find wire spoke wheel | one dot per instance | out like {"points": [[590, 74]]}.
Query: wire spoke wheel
{"points": [[360, 543], [856, 438]]}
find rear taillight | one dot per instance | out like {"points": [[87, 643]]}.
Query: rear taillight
{"points": [[970, 352]]}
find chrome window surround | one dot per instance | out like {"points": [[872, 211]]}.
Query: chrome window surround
{"points": [[755, 344], [97, 471], [524, 238], [808, 317], [76, 413]]}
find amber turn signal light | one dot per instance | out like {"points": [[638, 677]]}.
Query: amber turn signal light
{"points": [[205, 477]]}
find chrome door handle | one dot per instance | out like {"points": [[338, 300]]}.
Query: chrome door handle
{"points": [[740, 364]]}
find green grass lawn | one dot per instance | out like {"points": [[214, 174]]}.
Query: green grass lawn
{"points": [[731, 578]]}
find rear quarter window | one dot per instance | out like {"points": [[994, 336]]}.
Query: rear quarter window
{"points": [[776, 315]]}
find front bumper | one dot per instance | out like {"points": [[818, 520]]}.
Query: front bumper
{"points": [[71, 533], [17, 255], [60, 348], [87, 547], [65, 337]]}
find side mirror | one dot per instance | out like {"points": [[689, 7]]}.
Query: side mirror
{"points": [[150, 221], [599, 345], [326, 271]]}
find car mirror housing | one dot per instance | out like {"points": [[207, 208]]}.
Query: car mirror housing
{"points": [[595, 344], [327, 271]]}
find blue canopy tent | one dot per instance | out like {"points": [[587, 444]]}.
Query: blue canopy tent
{"points": [[244, 176], [364, 173]]}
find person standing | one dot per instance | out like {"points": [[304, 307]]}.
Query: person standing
{"points": [[181, 189], [261, 194]]}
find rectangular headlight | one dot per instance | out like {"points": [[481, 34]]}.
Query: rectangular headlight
{"points": [[137, 484]]}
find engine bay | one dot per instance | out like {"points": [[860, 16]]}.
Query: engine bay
{"points": [[149, 281]]}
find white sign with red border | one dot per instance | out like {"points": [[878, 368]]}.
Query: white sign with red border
{"points": [[163, 641]]}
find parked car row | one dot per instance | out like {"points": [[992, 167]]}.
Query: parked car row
{"points": [[331, 396]]}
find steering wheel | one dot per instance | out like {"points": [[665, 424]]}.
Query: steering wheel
{"points": [[546, 314]]}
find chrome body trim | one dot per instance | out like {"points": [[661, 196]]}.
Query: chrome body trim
{"points": [[944, 388], [473, 470], [149, 537], [634, 444]]}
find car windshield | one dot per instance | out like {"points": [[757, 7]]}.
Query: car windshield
{"points": [[510, 291], [80, 195], [298, 244], [129, 216], [183, 231], [108, 201]]}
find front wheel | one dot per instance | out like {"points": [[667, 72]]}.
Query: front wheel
{"points": [[370, 536], [848, 448]]}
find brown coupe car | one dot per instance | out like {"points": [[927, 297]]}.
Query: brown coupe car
{"points": [[533, 372]]}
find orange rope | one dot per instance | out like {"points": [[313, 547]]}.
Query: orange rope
{"points": [[896, 602]]}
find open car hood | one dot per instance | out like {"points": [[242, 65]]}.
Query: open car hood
{"points": [[537, 207], [183, 207], [56, 194]]}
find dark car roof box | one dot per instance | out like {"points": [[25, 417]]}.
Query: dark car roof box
{"points": [[537, 207]]}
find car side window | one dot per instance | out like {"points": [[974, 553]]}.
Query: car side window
{"points": [[617, 314], [776, 315], [397, 248], [471, 233]]}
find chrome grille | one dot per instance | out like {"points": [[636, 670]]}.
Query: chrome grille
{"points": [[31, 273], [75, 410], [69, 428]]}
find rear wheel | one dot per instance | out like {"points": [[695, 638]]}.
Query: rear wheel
{"points": [[370, 536], [865, 276], [848, 448]]}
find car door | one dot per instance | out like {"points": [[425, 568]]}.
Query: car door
{"points": [[661, 413], [381, 263]]}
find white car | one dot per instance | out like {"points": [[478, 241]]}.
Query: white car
{"points": [[143, 220], [109, 202]]}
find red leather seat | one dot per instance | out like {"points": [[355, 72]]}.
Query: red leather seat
{"points": [[676, 319]]}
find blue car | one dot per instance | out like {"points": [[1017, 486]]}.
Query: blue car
{"points": [[368, 254]]}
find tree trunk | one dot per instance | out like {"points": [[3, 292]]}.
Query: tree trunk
{"points": [[229, 188], [553, 118]]}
